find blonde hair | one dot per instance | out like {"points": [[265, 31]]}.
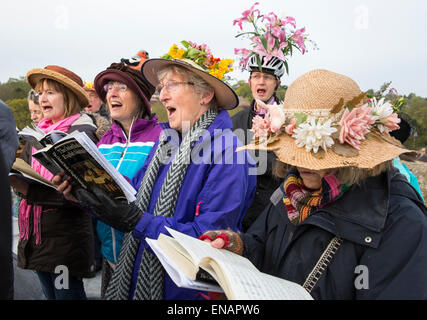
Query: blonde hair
{"points": [[345, 175], [71, 103], [201, 87]]}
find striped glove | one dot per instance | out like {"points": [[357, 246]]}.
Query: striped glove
{"points": [[232, 240]]}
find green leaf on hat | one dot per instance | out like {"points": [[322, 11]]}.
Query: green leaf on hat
{"points": [[300, 117]]}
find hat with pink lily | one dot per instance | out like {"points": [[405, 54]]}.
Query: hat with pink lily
{"points": [[273, 41]]}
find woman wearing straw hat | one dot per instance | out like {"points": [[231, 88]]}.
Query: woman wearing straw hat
{"points": [[192, 181], [344, 223], [52, 232]]}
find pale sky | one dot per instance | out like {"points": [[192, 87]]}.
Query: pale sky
{"points": [[371, 41]]}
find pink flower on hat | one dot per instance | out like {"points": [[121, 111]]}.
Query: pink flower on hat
{"points": [[274, 113], [392, 122], [245, 53], [247, 15], [299, 38], [355, 125], [289, 129], [261, 127]]}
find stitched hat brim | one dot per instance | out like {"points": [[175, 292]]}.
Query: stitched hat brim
{"points": [[225, 96], [35, 75]]}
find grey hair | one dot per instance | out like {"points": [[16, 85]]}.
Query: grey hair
{"points": [[201, 87], [33, 96]]}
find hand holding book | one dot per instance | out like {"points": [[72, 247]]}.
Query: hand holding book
{"points": [[224, 239], [117, 213]]}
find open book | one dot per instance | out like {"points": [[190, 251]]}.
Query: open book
{"points": [[183, 256], [81, 160], [38, 139], [24, 171]]}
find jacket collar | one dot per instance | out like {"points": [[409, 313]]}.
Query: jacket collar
{"points": [[138, 125]]}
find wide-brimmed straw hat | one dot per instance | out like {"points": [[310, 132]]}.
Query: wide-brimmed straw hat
{"points": [[63, 76], [329, 123], [225, 96]]}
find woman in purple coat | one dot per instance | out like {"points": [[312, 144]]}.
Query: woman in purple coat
{"points": [[192, 181]]}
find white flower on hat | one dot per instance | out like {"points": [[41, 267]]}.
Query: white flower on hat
{"points": [[381, 111], [313, 135]]}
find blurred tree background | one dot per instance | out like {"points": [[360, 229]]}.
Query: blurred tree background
{"points": [[14, 93]]}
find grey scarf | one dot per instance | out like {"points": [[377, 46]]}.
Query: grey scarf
{"points": [[150, 280]]}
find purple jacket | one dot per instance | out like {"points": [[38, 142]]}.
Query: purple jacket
{"points": [[214, 195]]}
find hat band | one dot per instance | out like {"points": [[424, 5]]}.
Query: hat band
{"points": [[320, 114]]}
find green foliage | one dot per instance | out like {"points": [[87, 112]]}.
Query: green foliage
{"points": [[416, 108], [242, 89], [14, 89], [159, 109], [20, 112], [14, 93], [280, 92]]}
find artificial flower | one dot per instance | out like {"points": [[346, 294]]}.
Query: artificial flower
{"points": [[201, 55], [299, 38], [247, 15], [355, 125], [383, 113], [261, 127], [290, 128], [275, 114], [314, 134], [274, 38]]}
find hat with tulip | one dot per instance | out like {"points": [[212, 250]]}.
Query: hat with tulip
{"points": [[327, 122]]}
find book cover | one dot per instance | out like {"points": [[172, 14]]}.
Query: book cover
{"points": [[81, 160]]}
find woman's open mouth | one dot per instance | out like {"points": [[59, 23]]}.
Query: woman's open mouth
{"points": [[47, 108], [170, 110], [115, 104]]}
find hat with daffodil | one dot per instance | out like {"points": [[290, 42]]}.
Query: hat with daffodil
{"points": [[197, 59]]}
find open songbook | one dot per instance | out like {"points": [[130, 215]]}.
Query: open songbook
{"points": [[38, 139], [183, 258], [81, 160], [24, 171]]}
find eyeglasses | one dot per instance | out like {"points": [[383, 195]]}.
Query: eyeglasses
{"points": [[267, 77], [118, 85], [171, 86]]}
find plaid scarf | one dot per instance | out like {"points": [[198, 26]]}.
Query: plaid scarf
{"points": [[301, 202]]}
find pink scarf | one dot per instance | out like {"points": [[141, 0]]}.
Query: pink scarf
{"points": [[24, 208]]}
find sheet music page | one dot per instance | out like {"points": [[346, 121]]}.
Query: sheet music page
{"points": [[246, 281], [177, 276]]}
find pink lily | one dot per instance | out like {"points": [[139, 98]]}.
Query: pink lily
{"points": [[245, 53], [299, 36], [279, 33], [289, 20], [247, 15]]}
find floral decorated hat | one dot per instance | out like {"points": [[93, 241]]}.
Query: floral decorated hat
{"points": [[327, 122], [198, 59], [272, 41]]}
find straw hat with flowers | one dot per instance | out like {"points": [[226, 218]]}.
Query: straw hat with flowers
{"points": [[327, 122], [198, 59], [63, 76]]}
